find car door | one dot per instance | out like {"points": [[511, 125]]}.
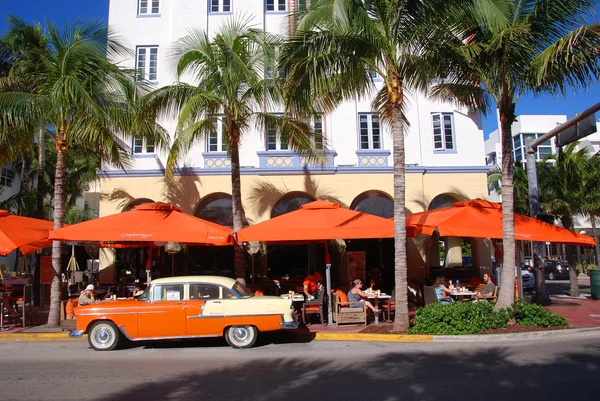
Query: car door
{"points": [[204, 311], [164, 316]]}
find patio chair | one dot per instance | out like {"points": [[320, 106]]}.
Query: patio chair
{"points": [[388, 306], [314, 307], [430, 297], [344, 313]]}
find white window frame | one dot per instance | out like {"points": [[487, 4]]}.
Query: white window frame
{"points": [[373, 132], [443, 136], [6, 177], [317, 125], [152, 7], [276, 6], [221, 143], [143, 54], [269, 133], [221, 7], [139, 146]]}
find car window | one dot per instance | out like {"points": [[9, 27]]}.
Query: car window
{"points": [[204, 291], [167, 292]]}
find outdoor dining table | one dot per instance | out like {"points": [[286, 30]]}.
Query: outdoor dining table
{"points": [[376, 298], [462, 296], [297, 297]]}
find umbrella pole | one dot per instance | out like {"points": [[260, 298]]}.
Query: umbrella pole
{"points": [[149, 266], [172, 265], [328, 284]]}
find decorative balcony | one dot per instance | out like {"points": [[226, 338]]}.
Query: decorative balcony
{"points": [[287, 159], [216, 160], [373, 158]]}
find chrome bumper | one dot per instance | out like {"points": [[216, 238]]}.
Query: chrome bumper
{"points": [[76, 333], [289, 325]]}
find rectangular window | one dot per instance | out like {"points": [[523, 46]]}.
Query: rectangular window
{"points": [[147, 62], [220, 6], [168, 292], [370, 131], [276, 5], [6, 177], [273, 136], [317, 127], [140, 146], [443, 131], [146, 7], [217, 138]]}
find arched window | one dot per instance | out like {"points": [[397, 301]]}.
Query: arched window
{"points": [[290, 202], [374, 202], [217, 208], [137, 202], [443, 200]]}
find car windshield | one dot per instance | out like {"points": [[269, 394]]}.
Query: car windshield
{"points": [[145, 297], [242, 290]]}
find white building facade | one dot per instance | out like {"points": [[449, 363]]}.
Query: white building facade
{"points": [[444, 144]]}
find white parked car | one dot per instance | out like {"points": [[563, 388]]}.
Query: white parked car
{"points": [[528, 279]]}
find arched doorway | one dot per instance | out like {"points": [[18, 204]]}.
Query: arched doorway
{"points": [[292, 261], [448, 249], [374, 202], [217, 208], [290, 202], [444, 200]]}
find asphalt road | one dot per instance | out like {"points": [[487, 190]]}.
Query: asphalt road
{"points": [[209, 370]]}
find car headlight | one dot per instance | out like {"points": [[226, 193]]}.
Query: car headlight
{"points": [[559, 268]]}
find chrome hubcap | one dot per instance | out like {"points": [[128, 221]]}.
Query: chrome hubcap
{"points": [[240, 334], [103, 336]]}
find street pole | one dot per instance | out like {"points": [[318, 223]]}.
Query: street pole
{"points": [[538, 247]]}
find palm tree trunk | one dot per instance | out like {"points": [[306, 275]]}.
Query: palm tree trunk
{"points": [[59, 217], [595, 233], [236, 203], [401, 321], [41, 184], [567, 223], [506, 295], [40, 193]]}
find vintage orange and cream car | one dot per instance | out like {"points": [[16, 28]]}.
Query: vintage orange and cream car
{"points": [[185, 307]]}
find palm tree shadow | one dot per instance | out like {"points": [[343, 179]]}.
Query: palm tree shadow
{"points": [[183, 192], [119, 195], [263, 195]]}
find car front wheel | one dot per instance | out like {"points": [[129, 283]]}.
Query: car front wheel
{"points": [[241, 336], [103, 336]]}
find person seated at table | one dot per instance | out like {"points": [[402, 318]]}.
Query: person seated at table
{"points": [[357, 296], [87, 296], [488, 289], [311, 284], [442, 293]]}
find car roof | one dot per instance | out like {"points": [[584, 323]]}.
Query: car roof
{"points": [[225, 281]]}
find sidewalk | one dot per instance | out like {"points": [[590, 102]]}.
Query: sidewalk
{"points": [[580, 312]]}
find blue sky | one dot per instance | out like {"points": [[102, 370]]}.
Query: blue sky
{"points": [[60, 11]]}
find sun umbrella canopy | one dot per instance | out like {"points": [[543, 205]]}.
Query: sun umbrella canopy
{"points": [[25, 233], [318, 221], [152, 222], [483, 219]]}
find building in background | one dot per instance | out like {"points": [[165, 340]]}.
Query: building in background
{"points": [[444, 144]]}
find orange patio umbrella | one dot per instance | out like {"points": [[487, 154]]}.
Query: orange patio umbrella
{"points": [[482, 219], [148, 223], [319, 221], [25, 233]]}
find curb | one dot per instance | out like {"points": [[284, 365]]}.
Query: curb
{"points": [[367, 337]]}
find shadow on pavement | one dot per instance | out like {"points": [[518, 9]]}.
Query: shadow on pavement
{"points": [[499, 373]]}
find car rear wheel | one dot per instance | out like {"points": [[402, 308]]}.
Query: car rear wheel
{"points": [[241, 336], [103, 336], [551, 276]]}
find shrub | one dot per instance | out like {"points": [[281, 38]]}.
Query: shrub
{"points": [[535, 315], [458, 318]]}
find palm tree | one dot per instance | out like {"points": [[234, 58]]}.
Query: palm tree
{"points": [[590, 202], [85, 101], [563, 180], [336, 48], [230, 88], [505, 48]]}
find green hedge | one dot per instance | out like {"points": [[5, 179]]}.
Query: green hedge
{"points": [[458, 318], [535, 315]]}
